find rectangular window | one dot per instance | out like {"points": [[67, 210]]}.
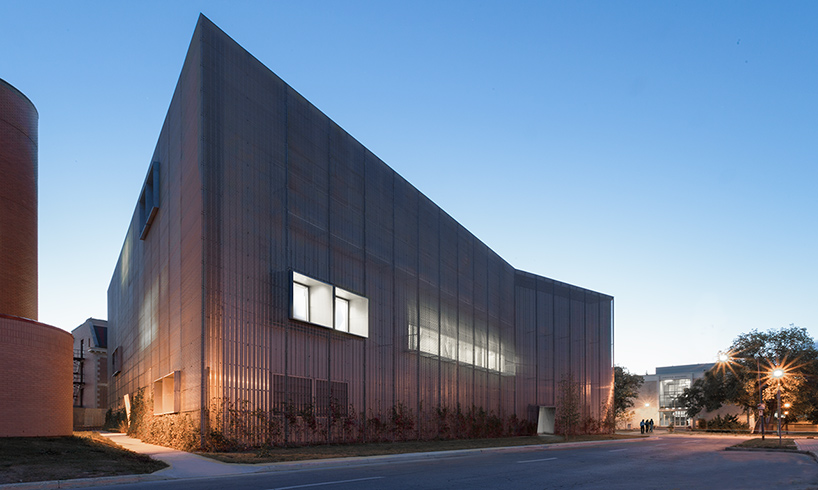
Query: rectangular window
{"points": [[116, 361], [357, 312], [167, 394], [311, 300], [341, 314], [301, 302], [148, 200], [323, 304]]}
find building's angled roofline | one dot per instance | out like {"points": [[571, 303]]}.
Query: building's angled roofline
{"points": [[204, 23], [561, 283], [22, 95], [684, 368]]}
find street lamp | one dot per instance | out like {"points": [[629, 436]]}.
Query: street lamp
{"points": [[778, 374]]}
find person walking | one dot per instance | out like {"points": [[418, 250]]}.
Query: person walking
{"points": [[651, 425], [642, 426]]}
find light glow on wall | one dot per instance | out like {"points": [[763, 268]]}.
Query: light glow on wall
{"points": [[429, 343]]}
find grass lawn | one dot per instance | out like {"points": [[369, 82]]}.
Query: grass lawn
{"points": [[83, 455], [768, 443], [278, 454]]}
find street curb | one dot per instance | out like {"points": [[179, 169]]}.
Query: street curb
{"points": [[81, 482], [766, 450], [380, 458]]}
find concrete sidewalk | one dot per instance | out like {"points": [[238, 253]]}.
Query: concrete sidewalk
{"points": [[809, 445], [181, 464]]}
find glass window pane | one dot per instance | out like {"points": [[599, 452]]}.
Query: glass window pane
{"points": [[301, 302], [341, 314]]}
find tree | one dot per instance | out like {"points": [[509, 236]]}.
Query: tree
{"points": [[710, 392], [626, 389], [568, 412], [752, 358]]}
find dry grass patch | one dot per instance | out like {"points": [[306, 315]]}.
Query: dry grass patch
{"points": [[83, 455], [281, 454], [768, 443]]}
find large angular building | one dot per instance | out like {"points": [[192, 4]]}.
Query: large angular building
{"points": [[276, 264]]}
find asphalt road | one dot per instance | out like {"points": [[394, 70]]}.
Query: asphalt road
{"points": [[661, 462]]}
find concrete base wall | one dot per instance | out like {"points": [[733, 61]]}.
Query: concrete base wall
{"points": [[88, 418], [36, 384]]}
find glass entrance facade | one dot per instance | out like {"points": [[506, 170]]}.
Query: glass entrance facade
{"points": [[671, 410]]}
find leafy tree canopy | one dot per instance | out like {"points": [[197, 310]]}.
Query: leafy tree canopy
{"points": [[626, 389], [744, 376]]}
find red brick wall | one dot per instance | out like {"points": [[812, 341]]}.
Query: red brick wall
{"points": [[36, 379], [18, 204]]}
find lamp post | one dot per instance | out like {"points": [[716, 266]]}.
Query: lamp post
{"points": [[778, 373], [787, 405]]}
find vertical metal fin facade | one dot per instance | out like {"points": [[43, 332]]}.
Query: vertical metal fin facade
{"points": [[283, 188]]}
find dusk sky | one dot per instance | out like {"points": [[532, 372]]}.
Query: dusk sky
{"points": [[665, 153]]}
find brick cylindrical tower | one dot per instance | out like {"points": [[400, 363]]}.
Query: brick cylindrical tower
{"points": [[18, 203], [35, 359]]}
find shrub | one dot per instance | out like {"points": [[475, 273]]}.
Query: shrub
{"points": [[116, 420], [728, 422], [234, 425]]}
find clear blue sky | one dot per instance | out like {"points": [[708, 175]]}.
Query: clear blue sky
{"points": [[665, 153]]}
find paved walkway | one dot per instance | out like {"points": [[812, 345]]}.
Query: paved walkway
{"points": [[181, 464], [810, 445]]}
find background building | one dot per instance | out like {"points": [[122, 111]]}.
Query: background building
{"points": [[659, 397], [35, 359], [90, 373], [275, 263]]}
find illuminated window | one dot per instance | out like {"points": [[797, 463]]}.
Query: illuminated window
{"points": [[341, 314], [357, 312], [301, 302], [166, 394], [319, 303]]}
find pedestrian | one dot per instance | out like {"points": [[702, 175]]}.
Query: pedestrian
{"points": [[651, 425], [642, 426]]}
